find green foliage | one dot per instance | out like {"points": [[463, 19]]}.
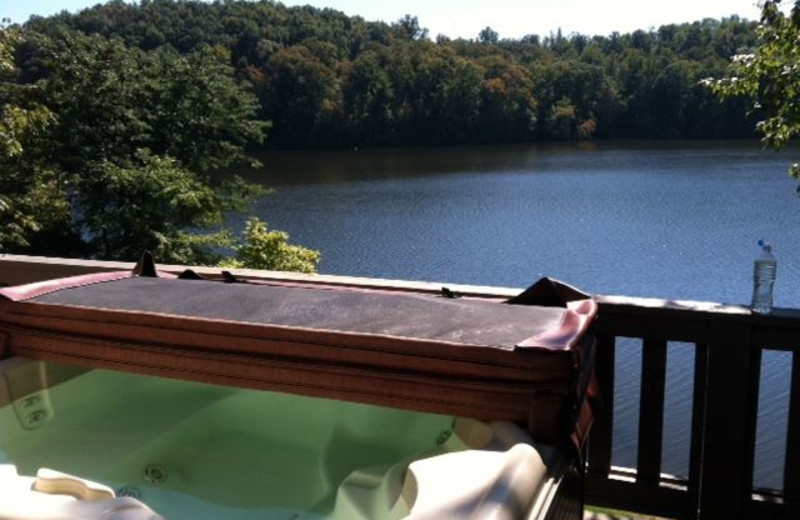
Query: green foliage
{"points": [[328, 80], [488, 35], [113, 100], [8, 40], [508, 103], [148, 205], [299, 92], [408, 27], [770, 76], [31, 196], [107, 151], [263, 249], [368, 99]]}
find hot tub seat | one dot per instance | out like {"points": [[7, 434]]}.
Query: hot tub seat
{"points": [[491, 471], [52, 495], [475, 484]]}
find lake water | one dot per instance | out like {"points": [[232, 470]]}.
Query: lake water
{"points": [[667, 220]]}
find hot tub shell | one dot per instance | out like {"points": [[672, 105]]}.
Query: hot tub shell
{"points": [[526, 361], [209, 450]]}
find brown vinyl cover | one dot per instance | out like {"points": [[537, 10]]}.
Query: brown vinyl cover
{"points": [[528, 359]]}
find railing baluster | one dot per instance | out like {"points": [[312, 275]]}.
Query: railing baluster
{"points": [[601, 437], [651, 411], [751, 425], [698, 422], [791, 478], [729, 388]]}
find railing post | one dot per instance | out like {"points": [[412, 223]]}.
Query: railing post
{"points": [[651, 411], [698, 424], [726, 467], [600, 441]]}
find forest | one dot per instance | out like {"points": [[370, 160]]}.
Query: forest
{"points": [[324, 79], [116, 121]]}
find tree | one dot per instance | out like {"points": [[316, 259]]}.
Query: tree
{"points": [[367, 98], [488, 35], [129, 151], [112, 100], [152, 203], [408, 27], [31, 196], [299, 100], [263, 249], [770, 76], [508, 106]]}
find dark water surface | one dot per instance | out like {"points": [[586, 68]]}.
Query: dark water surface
{"points": [[667, 220]]}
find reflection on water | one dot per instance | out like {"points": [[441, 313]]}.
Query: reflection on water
{"points": [[663, 219], [346, 166]]}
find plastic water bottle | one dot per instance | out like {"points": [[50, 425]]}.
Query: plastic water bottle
{"points": [[764, 270]]}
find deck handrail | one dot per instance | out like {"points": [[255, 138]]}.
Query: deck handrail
{"points": [[728, 341]]}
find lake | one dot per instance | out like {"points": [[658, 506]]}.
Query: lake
{"points": [[673, 220]]}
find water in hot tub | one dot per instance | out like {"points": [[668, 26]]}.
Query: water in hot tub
{"points": [[199, 451]]}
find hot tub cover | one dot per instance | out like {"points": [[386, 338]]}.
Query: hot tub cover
{"points": [[527, 359]]}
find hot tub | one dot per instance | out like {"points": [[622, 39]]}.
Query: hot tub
{"points": [[199, 451]]}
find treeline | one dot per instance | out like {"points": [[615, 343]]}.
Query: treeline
{"points": [[324, 79]]}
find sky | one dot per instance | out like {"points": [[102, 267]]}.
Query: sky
{"points": [[465, 18]]}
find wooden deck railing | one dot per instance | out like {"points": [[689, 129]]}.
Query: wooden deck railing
{"points": [[729, 343]]}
